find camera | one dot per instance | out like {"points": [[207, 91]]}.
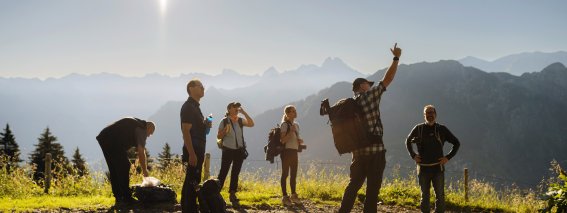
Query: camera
{"points": [[301, 147]]}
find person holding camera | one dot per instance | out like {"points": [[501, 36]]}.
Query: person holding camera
{"points": [[231, 140], [429, 138], [293, 144]]}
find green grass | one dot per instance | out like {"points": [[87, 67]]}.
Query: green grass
{"points": [[49, 202], [260, 188]]}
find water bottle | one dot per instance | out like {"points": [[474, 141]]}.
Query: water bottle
{"points": [[209, 124]]}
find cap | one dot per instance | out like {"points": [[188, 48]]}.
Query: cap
{"points": [[357, 82], [232, 104]]}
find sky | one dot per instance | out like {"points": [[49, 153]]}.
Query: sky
{"points": [[42, 39]]}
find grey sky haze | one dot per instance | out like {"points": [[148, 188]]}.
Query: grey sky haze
{"points": [[135, 37]]}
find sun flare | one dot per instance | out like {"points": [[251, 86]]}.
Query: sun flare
{"points": [[162, 6]]}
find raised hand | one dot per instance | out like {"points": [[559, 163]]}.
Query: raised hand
{"points": [[396, 51]]}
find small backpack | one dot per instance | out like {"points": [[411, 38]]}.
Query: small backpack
{"points": [[348, 124], [274, 146], [210, 199]]}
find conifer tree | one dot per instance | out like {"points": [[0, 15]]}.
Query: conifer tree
{"points": [[9, 148], [79, 163], [47, 143], [165, 157]]}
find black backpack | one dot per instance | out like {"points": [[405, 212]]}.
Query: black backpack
{"points": [[154, 194], [348, 124], [210, 199], [274, 146]]}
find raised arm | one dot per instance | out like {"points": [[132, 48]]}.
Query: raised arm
{"points": [[248, 121], [391, 72]]}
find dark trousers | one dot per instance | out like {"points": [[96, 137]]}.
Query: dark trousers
{"points": [[371, 168], [289, 167], [234, 157], [192, 179], [119, 168], [437, 179]]}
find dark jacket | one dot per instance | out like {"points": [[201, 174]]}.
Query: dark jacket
{"points": [[429, 141], [121, 133]]}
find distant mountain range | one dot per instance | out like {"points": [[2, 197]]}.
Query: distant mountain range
{"points": [[517, 64], [77, 107], [509, 126]]}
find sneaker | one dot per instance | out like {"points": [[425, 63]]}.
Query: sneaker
{"points": [[286, 201], [295, 199], [234, 200]]}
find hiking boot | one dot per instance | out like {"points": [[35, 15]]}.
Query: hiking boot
{"points": [[286, 201], [125, 202], [234, 200], [295, 199]]}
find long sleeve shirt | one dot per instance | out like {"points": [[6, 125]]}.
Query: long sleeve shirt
{"points": [[429, 141]]}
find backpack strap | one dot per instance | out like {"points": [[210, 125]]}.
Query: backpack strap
{"points": [[225, 121], [289, 125], [437, 135], [241, 129]]}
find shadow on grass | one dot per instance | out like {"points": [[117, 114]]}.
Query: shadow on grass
{"points": [[146, 207], [459, 208]]}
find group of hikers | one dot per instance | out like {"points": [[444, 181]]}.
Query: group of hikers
{"points": [[368, 162]]}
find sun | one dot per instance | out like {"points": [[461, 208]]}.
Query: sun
{"points": [[162, 7]]}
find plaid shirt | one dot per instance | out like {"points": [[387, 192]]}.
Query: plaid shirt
{"points": [[370, 102]]}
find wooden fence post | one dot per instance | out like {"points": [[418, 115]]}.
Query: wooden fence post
{"points": [[466, 185], [47, 173], [207, 166]]}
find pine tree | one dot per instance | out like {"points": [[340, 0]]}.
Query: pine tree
{"points": [[165, 157], [79, 163], [9, 148], [47, 144]]}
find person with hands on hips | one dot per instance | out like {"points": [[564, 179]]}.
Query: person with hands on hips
{"points": [[429, 138]]}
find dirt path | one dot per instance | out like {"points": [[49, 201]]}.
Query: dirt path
{"points": [[306, 206]]}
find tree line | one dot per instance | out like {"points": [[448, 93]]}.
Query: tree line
{"points": [[60, 164]]}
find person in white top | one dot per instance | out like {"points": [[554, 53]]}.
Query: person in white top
{"points": [[292, 141], [231, 138]]}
